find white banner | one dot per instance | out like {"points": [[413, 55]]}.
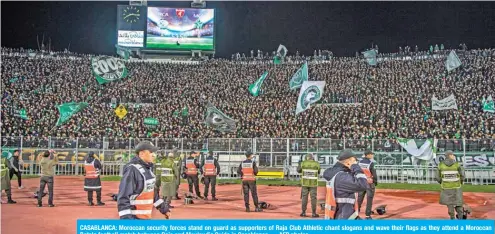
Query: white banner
{"points": [[444, 104], [130, 38]]}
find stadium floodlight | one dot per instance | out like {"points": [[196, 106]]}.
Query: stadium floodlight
{"points": [[198, 4]]}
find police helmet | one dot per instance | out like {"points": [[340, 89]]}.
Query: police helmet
{"points": [[381, 210]]}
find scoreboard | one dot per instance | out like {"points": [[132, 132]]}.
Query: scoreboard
{"points": [[163, 28]]}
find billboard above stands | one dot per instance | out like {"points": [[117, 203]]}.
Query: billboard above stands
{"points": [[130, 38], [181, 29]]}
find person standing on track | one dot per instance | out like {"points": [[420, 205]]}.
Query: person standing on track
{"points": [[344, 180], [368, 167], [191, 170], [16, 163], [4, 171], [47, 163], [248, 171], [210, 169], [451, 176], [157, 169], [92, 182], [310, 169], [136, 189], [168, 174], [178, 164]]}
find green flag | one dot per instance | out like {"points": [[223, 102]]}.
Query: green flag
{"points": [[311, 92], [218, 120], [488, 104], [122, 52], [67, 110], [299, 77], [107, 69], [370, 57], [185, 111], [150, 122], [276, 60], [21, 114], [254, 89]]}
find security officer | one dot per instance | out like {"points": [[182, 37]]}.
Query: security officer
{"points": [[47, 163], [157, 169], [168, 174], [368, 167], [92, 182], [178, 164], [344, 180], [451, 176], [4, 171], [248, 171], [191, 170], [16, 163], [136, 189], [210, 170], [309, 169]]}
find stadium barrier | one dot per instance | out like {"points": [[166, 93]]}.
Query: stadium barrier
{"points": [[394, 165]]}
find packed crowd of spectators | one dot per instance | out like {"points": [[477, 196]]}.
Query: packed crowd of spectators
{"points": [[394, 98]]}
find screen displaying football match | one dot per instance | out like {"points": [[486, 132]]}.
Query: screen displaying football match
{"points": [[180, 29]]}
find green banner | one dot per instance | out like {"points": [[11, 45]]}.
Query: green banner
{"points": [[150, 121], [107, 69], [67, 110], [255, 88]]}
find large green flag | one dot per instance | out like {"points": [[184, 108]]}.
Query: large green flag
{"points": [[68, 109], [299, 77], [218, 120], [452, 62], [488, 105], [107, 69], [254, 88], [370, 57]]}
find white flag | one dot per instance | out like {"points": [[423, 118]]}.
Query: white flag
{"points": [[282, 50], [311, 92], [452, 62], [444, 104]]}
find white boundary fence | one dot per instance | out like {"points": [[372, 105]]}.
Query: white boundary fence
{"points": [[394, 165]]}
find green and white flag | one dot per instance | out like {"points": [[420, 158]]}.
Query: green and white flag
{"points": [[282, 50], [107, 69], [452, 62], [255, 88], [151, 122], [311, 92], [426, 152], [277, 60], [122, 52], [299, 77], [21, 114], [488, 105], [370, 57], [67, 110], [219, 121]]}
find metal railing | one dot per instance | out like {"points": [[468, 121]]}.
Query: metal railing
{"points": [[394, 164]]}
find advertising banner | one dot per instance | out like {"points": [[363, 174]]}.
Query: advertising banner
{"points": [[130, 38]]}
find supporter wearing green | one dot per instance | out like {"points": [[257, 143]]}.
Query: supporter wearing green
{"points": [[451, 176], [309, 169]]}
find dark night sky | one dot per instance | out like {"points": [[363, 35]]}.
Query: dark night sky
{"points": [[343, 27]]}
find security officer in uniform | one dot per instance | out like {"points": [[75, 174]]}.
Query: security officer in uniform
{"points": [[368, 167], [210, 170], [92, 182], [309, 169], [178, 164], [451, 176], [4, 168], [157, 169], [248, 171], [168, 174], [191, 169], [136, 189], [344, 180]]}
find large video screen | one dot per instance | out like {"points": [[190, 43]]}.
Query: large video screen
{"points": [[180, 29], [131, 24]]}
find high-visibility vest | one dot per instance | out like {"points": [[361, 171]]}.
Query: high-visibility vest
{"points": [[451, 178], [91, 171], [4, 170], [144, 201], [210, 169], [191, 167], [248, 171], [366, 169], [331, 201]]}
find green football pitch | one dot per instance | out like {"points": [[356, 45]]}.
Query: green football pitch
{"points": [[184, 43]]}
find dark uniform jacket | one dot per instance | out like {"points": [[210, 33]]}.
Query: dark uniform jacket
{"points": [[347, 183], [255, 168], [372, 169], [93, 184], [195, 163], [132, 184], [215, 161]]}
